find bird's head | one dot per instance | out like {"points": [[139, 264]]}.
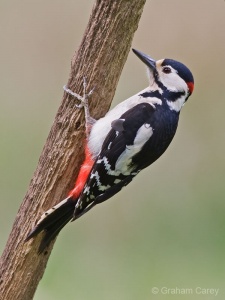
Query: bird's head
{"points": [[172, 78]]}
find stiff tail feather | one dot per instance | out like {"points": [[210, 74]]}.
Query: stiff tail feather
{"points": [[52, 221]]}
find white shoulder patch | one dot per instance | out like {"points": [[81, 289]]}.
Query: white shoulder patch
{"points": [[102, 126], [143, 135]]}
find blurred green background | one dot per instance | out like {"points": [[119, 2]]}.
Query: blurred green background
{"points": [[166, 229]]}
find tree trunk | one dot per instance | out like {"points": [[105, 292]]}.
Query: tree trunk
{"points": [[100, 58]]}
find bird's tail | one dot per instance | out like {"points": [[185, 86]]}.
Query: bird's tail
{"points": [[52, 221]]}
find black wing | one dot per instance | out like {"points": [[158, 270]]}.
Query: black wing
{"points": [[113, 168]]}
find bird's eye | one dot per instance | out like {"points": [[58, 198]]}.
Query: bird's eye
{"points": [[166, 70]]}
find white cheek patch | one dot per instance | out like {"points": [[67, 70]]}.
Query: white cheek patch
{"points": [[143, 135], [173, 82]]}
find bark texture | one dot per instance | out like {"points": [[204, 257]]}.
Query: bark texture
{"points": [[100, 57]]}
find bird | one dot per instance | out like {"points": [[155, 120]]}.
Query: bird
{"points": [[129, 138]]}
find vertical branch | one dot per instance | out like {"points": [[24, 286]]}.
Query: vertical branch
{"points": [[100, 57]]}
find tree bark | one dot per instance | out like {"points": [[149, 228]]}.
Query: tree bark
{"points": [[100, 58]]}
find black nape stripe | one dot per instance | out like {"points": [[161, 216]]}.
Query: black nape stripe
{"points": [[151, 94], [172, 96], [168, 95]]}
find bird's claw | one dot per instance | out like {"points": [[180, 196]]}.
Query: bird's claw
{"points": [[83, 103]]}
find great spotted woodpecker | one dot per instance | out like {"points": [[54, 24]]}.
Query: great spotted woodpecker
{"points": [[128, 139]]}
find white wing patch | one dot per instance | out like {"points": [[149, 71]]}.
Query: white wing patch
{"points": [[102, 127], [143, 135]]}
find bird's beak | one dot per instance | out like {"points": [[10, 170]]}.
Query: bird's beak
{"points": [[151, 63]]}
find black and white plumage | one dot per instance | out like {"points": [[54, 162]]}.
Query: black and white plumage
{"points": [[128, 139], [140, 135]]}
